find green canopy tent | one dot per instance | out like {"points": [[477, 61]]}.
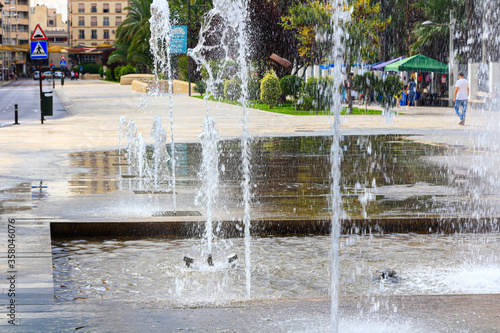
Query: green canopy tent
{"points": [[418, 63]]}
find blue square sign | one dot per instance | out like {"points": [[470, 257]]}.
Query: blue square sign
{"points": [[38, 49], [178, 39]]}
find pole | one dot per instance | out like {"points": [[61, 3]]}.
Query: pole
{"points": [[16, 115], [188, 37], [450, 61], [40, 79]]}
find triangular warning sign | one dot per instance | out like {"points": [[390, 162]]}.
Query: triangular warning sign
{"points": [[38, 51], [38, 33]]}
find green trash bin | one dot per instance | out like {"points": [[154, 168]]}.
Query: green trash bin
{"points": [[47, 105]]}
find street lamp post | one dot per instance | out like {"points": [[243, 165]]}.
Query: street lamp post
{"points": [[451, 25]]}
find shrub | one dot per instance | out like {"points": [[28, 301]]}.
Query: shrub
{"points": [[101, 71], [318, 93], [200, 87], [89, 68], [292, 85], [117, 73], [221, 72], [388, 89], [110, 74], [182, 67], [129, 69], [253, 87], [270, 90], [232, 89]]}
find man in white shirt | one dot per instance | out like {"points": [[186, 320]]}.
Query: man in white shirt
{"points": [[461, 96]]}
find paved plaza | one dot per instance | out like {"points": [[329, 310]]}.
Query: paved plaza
{"points": [[35, 158]]}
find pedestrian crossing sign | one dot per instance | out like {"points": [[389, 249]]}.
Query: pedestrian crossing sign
{"points": [[38, 49]]}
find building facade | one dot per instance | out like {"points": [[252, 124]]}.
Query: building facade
{"points": [[55, 29], [14, 31], [93, 22]]}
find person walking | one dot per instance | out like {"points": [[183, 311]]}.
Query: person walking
{"points": [[411, 93], [461, 97]]}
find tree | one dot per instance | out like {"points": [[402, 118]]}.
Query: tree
{"points": [[367, 82], [268, 36], [433, 41], [134, 32], [388, 89], [363, 30], [292, 85]]}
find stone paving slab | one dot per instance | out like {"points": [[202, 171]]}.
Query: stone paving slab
{"points": [[456, 313]]}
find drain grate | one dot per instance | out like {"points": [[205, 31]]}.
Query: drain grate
{"points": [[153, 192], [129, 176], [177, 213]]}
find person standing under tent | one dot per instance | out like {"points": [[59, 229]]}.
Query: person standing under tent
{"points": [[461, 97], [411, 92]]}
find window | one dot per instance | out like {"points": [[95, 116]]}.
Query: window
{"points": [[105, 21], [118, 20], [94, 34], [93, 8], [105, 34], [93, 21], [105, 7], [81, 34], [81, 8], [81, 21], [118, 8], [87, 58], [51, 22]]}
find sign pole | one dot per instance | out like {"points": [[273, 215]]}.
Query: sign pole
{"points": [[39, 50], [40, 79]]}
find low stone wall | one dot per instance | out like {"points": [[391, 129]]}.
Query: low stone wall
{"points": [[127, 79], [90, 77], [139, 86], [179, 87]]}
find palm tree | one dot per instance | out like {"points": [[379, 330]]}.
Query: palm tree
{"points": [[433, 40], [134, 32]]}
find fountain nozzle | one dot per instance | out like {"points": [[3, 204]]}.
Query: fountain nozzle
{"points": [[232, 257], [188, 260], [209, 260], [387, 273]]}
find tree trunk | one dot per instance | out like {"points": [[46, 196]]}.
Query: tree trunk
{"points": [[367, 98], [349, 88]]}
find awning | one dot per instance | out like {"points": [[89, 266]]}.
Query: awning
{"points": [[56, 49], [329, 66], [105, 46], [381, 66], [418, 63]]}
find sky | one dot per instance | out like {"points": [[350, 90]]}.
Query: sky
{"points": [[60, 5]]}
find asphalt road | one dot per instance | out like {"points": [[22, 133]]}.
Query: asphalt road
{"points": [[26, 94]]}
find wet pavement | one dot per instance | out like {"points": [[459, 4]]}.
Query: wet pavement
{"points": [[67, 170]]}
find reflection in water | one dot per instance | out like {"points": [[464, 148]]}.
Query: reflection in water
{"points": [[381, 175], [153, 270], [102, 167]]}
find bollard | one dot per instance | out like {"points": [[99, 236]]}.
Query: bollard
{"points": [[16, 115], [62, 80]]}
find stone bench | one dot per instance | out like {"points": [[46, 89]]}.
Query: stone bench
{"points": [[179, 87], [127, 79], [89, 76]]}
